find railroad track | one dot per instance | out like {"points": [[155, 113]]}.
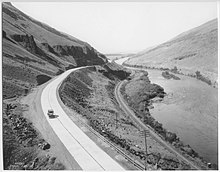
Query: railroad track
{"points": [[137, 164], [152, 133]]}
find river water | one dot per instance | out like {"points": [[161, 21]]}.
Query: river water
{"points": [[190, 109]]}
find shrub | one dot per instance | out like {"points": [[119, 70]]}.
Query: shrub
{"points": [[202, 78]]}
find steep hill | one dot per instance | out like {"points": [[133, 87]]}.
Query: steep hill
{"points": [[34, 52], [191, 51]]}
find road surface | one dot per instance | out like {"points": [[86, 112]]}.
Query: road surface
{"points": [[86, 153], [129, 112]]}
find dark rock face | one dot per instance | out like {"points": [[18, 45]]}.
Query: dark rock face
{"points": [[49, 44], [27, 41], [4, 34], [41, 79], [82, 55], [49, 48], [113, 71], [66, 50]]}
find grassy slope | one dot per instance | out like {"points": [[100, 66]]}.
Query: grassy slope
{"points": [[190, 51]]}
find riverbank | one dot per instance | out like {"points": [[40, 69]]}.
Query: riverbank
{"points": [[140, 98], [193, 102], [196, 75]]}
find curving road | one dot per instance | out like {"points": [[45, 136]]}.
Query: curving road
{"points": [[139, 123], [86, 153]]}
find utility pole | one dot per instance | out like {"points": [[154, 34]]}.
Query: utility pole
{"points": [[145, 142], [116, 121], [145, 134]]}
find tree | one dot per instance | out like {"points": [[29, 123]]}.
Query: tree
{"points": [[174, 70], [198, 74]]}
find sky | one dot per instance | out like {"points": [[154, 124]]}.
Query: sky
{"points": [[121, 27]]}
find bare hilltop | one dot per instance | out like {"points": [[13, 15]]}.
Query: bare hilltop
{"points": [[193, 51]]}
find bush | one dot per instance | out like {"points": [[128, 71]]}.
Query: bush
{"points": [[202, 78], [170, 137], [174, 70], [168, 75]]}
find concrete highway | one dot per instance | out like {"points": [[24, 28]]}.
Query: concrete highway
{"points": [[86, 153]]}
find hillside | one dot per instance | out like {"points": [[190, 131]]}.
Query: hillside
{"points": [[191, 51], [34, 52]]}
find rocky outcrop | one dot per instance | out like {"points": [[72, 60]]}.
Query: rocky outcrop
{"points": [[113, 71], [52, 52], [82, 55], [68, 50], [4, 34], [27, 41], [49, 48], [45, 42]]}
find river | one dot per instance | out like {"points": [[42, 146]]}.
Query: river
{"points": [[190, 109]]}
